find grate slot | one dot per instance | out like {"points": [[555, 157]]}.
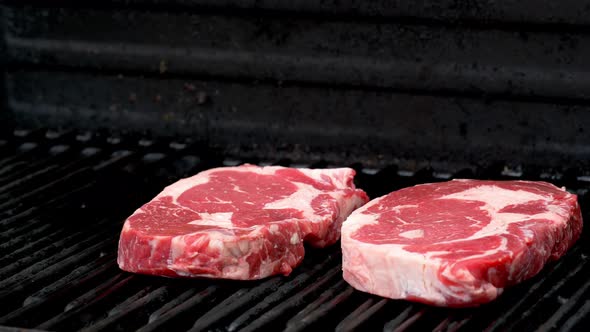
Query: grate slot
{"points": [[318, 309], [407, 323], [53, 158], [26, 279], [535, 289], [46, 300], [43, 258], [32, 221], [235, 302], [172, 304], [22, 183], [273, 315], [180, 310], [28, 228], [10, 200], [78, 174], [556, 319], [130, 300], [37, 245], [279, 295], [37, 261], [76, 279], [32, 212], [8, 159], [117, 159], [399, 319], [74, 308], [451, 324], [23, 176], [459, 324], [575, 321], [319, 301], [4, 247], [129, 307], [361, 315], [16, 161], [56, 155], [549, 294]]}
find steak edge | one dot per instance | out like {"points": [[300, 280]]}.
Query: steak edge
{"points": [[244, 222], [457, 243]]}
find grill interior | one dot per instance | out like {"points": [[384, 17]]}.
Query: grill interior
{"points": [[407, 93], [64, 196]]}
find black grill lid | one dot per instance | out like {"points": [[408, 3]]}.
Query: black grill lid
{"points": [[281, 79]]}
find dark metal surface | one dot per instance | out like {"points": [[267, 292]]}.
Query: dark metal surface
{"points": [[522, 61], [59, 231], [406, 92], [567, 12], [278, 82]]}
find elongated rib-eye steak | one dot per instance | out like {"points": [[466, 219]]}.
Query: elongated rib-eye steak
{"points": [[457, 243], [245, 222]]}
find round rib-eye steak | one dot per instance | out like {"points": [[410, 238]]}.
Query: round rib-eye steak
{"points": [[457, 243], [245, 222]]}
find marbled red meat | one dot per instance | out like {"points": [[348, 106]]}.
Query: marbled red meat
{"points": [[457, 243], [245, 222]]}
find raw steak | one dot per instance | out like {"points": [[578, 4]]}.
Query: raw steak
{"points": [[457, 243], [244, 222]]}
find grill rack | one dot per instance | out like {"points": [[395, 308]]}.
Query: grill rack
{"points": [[65, 195]]}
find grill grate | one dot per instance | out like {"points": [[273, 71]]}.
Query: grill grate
{"points": [[64, 197]]}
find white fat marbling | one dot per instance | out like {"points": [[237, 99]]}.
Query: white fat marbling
{"points": [[413, 234]]}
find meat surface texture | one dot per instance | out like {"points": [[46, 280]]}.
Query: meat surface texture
{"points": [[457, 243], [245, 222]]}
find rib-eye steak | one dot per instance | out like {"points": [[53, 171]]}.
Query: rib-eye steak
{"points": [[457, 243], [245, 222]]}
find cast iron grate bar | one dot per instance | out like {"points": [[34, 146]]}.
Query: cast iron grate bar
{"points": [[282, 293], [320, 308], [182, 309], [235, 302], [84, 303], [32, 265], [69, 195], [556, 320], [172, 304], [13, 228], [537, 292], [28, 228], [26, 174], [34, 211], [88, 297], [13, 162], [36, 245], [24, 281], [47, 300], [409, 321], [55, 155], [5, 246], [25, 183], [400, 318], [139, 301], [76, 279], [575, 321], [48, 253], [451, 324], [30, 196], [274, 315], [550, 295], [361, 315]]}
